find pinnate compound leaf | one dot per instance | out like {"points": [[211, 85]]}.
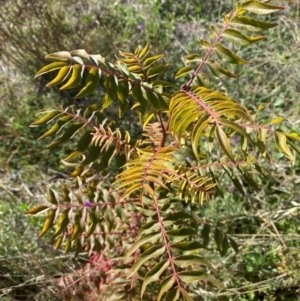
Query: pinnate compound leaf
{"points": [[260, 8], [51, 67], [147, 255], [37, 209], [49, 222], [166, 284], [154, 274], [192, 276], [46, 118], [148, 238], [91, 83]]}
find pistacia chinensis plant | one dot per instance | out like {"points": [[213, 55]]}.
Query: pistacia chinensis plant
{"points": [[137, 186]]}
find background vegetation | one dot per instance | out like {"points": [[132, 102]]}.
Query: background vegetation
{"points": [[266, 224]]}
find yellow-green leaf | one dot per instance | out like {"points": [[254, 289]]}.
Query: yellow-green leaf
{"points": [[46, 118], [49, 222], [60, 77], [51, 67], [184, 71], [282, 145], [260, 8], [37, 209], [75, 78], [224, 143], [62, 223], [52, 198], [251, 24], [154, 274], [91, 83], [228, 56], [237, 37], [144, 52]]}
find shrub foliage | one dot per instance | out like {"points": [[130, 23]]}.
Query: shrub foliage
{"points": [[135, 200]]}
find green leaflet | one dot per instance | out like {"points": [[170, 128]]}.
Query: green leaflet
{"points": [[228, 56], [111, 86], [52, 197], [62, 222], [148, 238], [68, 134], [173, 294], [184, 71], [192, 276], [237, 37], [224, 143], [166, 284], [84, 141], [281, 143], [154, 274], [47, 118], [151, 60], [156, 70], [187, 260], [36, 210], [260, 8], [144, 51], [186, 246], [60, 77], [75, 79], [251, 24], [91, 83], [151, 253], [217, 70], [49, 222], [51, 67]]}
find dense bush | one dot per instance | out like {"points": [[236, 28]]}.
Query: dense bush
{"points": [[136, 203], [264, 224]]}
